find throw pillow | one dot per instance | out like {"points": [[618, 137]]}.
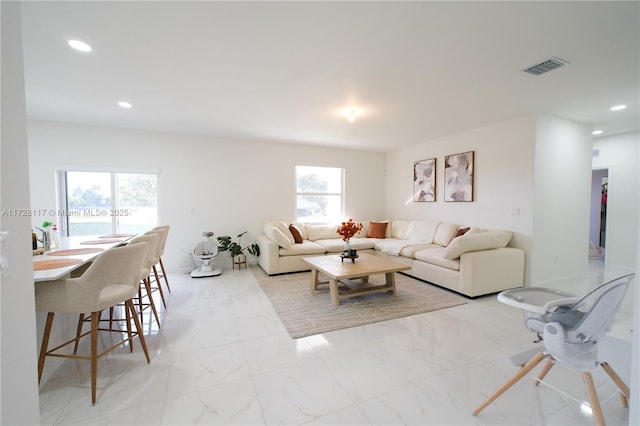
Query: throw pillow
{"points": [[477, 242], [277, 236], [377, 229], [284, 228], [297, 236], [459, 232], [444, 232]]}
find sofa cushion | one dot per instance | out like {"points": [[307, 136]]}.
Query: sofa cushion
{"points": [[307, 247], [377, 229], [410, 251], [297, 236], [276, 235], [475, 242], [421, 230], [396, 247], [320, 232], [435, 256], [399, 229], [284, 228], [336, 245], [444, 233]]}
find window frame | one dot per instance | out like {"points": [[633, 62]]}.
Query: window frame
{"points": [[62, 219], [340, 194]]}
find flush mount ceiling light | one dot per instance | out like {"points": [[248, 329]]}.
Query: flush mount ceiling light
{"points": [[596, 132], [124, 104], [351, 114], [618, 107], [80, 45]]}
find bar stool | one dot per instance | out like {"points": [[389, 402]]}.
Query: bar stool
{"points": [[162, 236], [112, 278], [152, 242], [163, 242]]}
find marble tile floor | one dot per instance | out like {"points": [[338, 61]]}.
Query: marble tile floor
{"points": [[222, 356]]}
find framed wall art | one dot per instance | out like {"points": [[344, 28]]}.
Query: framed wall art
{"points": [[424, 180], [458, 177]]}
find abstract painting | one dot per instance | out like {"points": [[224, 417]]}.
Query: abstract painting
{"points": [[424, 180], [458, 177]]}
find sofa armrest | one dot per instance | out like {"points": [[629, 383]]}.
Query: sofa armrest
{"points": [[269, 254], [491, 271]]}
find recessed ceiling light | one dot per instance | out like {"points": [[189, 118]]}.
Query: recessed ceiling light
{"points": [[596, 132], [618, 107], [80, 45], [124, 104]]}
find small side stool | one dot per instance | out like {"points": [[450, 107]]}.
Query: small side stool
{"points": [[239, 260]]}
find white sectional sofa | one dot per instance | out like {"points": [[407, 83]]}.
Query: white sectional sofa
{"points": [[474, 263]]}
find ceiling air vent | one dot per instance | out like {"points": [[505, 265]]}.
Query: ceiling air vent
{"points": [[545, 66]]}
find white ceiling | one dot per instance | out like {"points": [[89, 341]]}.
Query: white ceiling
{"points": [[284, 71]]}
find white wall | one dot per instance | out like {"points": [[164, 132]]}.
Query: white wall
{"points": [[539, 166], [205, 184], [620, 154], [562, 196], [503, 179], [19, 400]]}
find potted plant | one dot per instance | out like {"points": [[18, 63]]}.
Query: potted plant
{"points": [[236, 249]]}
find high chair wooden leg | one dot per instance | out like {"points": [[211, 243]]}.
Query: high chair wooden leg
{"points": [[519, 375], [596, 409], [624, 389], [544, 371]]}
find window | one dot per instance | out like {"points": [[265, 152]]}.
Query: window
{"points": [[319, 194], [98, 203]]}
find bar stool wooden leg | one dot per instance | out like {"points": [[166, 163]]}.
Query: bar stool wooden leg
{"points": [[519, 375], [596, 409], [127, 320], [129, 306], [45, 344], [140, 309], [155, 272], [78, 333], [95, 319], [164, 274], [147, 285]]}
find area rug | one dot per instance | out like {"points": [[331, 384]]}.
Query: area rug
{"points": [[305, 312]]}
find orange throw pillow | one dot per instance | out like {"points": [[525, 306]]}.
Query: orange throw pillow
{"points": [[297, 236], [377, 229]]}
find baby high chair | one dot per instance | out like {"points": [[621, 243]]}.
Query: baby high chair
{"points": [[570, 328]]}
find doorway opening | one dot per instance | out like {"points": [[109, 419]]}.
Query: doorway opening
{"points": [[598, 216]]}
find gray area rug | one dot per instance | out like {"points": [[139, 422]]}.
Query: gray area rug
{"points": [[305, 312]]}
